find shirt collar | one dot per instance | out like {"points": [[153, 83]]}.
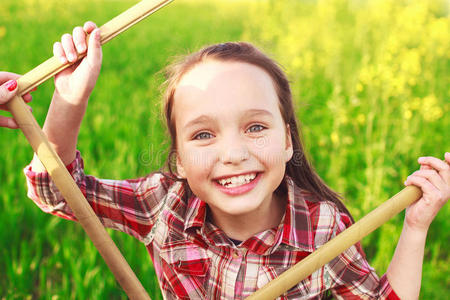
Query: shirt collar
{"points": [[195, 214], [295, 229]]}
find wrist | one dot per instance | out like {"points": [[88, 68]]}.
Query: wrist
{"points": [[78, 102], [418, 231], [62, 126]]}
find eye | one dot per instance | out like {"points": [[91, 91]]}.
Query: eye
{"points": [[203, 136], [256, 128]]}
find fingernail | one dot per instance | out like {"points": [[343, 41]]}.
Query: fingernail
{"points": [[72, 57], [63, 59], [11, 85]]}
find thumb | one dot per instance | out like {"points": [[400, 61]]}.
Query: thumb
{"points": [[7, 91], [94, 54]]}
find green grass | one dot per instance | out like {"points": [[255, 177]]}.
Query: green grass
{"points": [[366, 118]]}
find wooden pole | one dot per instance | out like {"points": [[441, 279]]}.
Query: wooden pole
{"points": [[338, 244], [108, 31], [55, 167]]}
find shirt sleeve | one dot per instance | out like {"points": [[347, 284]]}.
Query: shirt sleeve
{"points": [[352, 275], [130, 206]]}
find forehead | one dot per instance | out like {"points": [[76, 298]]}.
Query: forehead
{"points": [[210, 70], [215, 88]]}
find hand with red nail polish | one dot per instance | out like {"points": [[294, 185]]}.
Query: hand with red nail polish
{"points": [[8, 88]]}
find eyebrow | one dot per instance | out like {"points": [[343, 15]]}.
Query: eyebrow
{"points": [[249, 113], [199, 120], [257, 112]]}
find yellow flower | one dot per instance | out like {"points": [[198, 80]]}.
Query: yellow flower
{"points": [[411, 62], [2, 31], [431, 110], [334, 137], [359, 87], [407, 114], [361, 119]]}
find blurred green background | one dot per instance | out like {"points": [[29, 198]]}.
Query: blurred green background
{"points": [[371, 87]]}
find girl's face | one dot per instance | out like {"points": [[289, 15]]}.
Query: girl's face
{"points": [[232, 142]]}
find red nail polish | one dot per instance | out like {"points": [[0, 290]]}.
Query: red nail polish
{"points": [[11, 85]]}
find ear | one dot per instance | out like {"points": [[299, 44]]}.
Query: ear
{"points": [[180, 168], [289, 149]]}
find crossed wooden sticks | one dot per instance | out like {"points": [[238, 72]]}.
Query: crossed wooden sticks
{"points": [[95, 230], [55, 167]]}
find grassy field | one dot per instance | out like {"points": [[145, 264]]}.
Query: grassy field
{"points": [[371, 88]]}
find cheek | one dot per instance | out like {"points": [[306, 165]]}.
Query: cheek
{"points": [[270, 150], [197, 162]]}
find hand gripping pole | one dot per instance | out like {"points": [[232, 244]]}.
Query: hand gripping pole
{"points": [[58, 172], [338, 244]]}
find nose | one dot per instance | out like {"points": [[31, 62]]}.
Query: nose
{"points": [[234, 151]]}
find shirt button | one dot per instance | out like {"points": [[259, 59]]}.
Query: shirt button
{"points": [[236, 254]]}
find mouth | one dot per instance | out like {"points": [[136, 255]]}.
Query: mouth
{"points": [[238, 180]]}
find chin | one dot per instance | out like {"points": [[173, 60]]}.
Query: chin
{"points": [[239, 209]]}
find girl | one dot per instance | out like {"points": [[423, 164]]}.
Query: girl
{"points": [[241, 203]]}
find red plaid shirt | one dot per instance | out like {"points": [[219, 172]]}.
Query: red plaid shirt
{"points": [[194, 259]]}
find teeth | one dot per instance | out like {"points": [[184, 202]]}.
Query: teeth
{"points": [[237, 180]]}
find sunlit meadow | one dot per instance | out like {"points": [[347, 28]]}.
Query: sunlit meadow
{"points": [[370, 80]]}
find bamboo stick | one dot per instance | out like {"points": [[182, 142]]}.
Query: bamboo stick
{"points": [[338, 244], [55, 167], [108, 31]]}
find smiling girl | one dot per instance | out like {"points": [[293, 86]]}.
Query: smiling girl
{"points": [[241, 203]]}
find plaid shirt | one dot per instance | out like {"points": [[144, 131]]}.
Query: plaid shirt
{"points": [[194, 259]]}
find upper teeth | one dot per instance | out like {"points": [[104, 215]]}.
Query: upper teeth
{"points": [[237, 180]]}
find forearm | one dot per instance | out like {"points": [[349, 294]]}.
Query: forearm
{"points": [[405, 270], [62, 126]]}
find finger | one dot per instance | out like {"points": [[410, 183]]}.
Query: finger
{"points": [[89, 26], [7, 91], [8, 122], [434, 162], [425, 167], [447, 157], [58, 52], [430, 192], [6, 76], [94, 55], [432, 176], [69, 47], [441, 166], [27, 97], [79, 38]]}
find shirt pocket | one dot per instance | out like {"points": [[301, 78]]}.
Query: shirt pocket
{"points": [[186, 269]]}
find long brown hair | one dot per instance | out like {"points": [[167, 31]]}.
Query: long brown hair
{"points": [[298, 168]]}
